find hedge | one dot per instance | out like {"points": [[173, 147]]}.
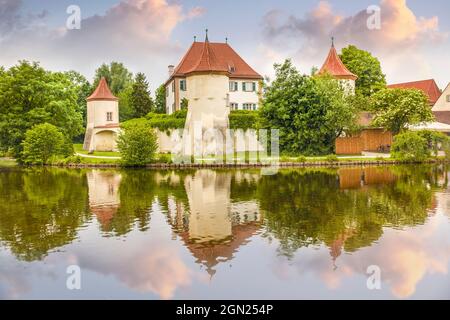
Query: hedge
{"points": [[243, 119], [239, 119]]}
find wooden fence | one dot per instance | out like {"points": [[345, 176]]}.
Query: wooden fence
{"points": [[374, 140]]}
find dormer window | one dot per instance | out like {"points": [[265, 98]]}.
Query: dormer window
{"points": [[109, 116]]}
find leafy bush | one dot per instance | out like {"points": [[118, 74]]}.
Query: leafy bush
{"points": [[301, 159], [435, 140], [137, 144], [163, 158], [410, 146], [41, 143], [243, 119]]}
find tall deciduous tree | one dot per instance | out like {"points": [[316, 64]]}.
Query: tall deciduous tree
{"points": [[367, 67], [310, 112], [395, 109], [141, 101], [30, 95], [160, 102], [116, 74], [84, 90]]}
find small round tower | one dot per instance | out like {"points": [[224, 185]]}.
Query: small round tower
{"points": [[102, 119]]}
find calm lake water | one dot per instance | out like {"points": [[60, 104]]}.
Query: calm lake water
{"points": [[206, 234]]}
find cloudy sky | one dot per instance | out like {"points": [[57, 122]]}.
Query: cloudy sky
{"points": [[148, 35]]}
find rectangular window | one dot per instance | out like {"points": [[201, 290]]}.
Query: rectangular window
{"points": [[167, 91], [448, 98], [249, 86], [109, 116], [233, 86], [234, 106], [183, 86], [173, 86], [249, 106]]}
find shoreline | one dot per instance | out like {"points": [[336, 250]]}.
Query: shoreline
{"points": [[308, 164]]}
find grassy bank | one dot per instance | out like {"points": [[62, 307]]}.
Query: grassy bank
{"points": [[79, 149], [7, 162]]}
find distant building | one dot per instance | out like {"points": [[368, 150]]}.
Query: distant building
{"points": [[243, 85], [441, 108], [102, 120], [429, 87], [334, 66]]}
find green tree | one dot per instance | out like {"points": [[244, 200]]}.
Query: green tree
{"points": [[410, 146], [30, 95], [141, 101], [395, 109], [41, 143], [160, 102], [367, 67], [310, 112], [184, 104], [116, 74], [125, 105], [137, 143]]}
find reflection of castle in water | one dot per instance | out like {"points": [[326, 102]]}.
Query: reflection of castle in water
{"points": [[214, 228], [104, 198], [215, 213]]}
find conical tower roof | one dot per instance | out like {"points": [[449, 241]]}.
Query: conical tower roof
{"points": [[335, 67], [102, 92]]}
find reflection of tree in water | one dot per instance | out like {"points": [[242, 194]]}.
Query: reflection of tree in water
{"points": [[41, 209], [304, 207]]}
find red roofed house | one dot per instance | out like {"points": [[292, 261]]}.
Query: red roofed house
{"points": [[334, 66], [429, 87], [102, 120], [242, 86]]}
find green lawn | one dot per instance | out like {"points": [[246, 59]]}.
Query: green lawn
{"points": [[79, 149], [4, 162]]}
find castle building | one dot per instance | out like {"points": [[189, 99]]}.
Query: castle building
{"points": [[241, 84], [334, 66], [102, 126]]}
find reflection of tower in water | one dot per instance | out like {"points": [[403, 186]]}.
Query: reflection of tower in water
{"points": [[104, 199], [213, 228]]}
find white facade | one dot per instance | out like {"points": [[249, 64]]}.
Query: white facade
{"points": [[443, 103], [102, 126], [240, 96]]}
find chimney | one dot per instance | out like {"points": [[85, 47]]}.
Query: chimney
{"points": [[171, 70]]}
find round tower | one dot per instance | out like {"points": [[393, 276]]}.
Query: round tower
{"points": [[102, 119]]}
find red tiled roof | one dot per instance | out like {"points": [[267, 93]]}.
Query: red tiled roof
{"points": [[429, 87], [335, 67], [102, 92], [214, 57]]}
